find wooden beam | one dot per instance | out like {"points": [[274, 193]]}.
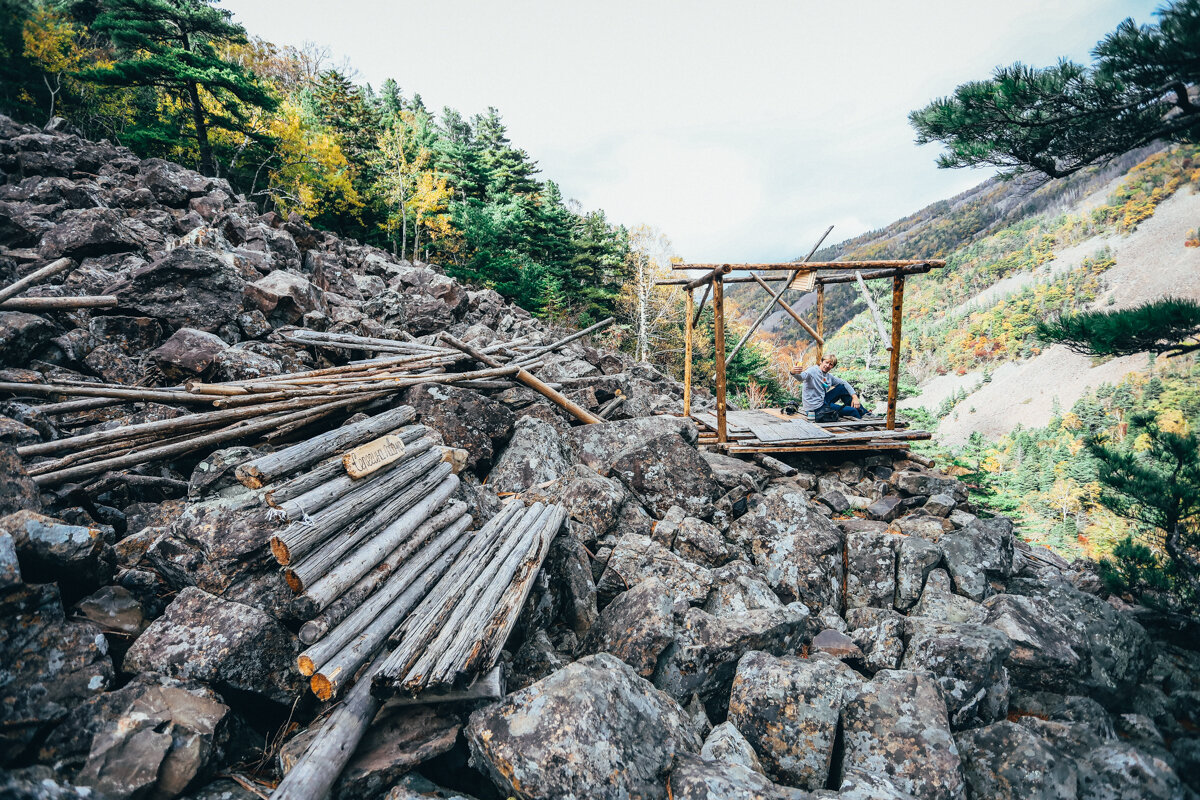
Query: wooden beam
{"points": [[799, 321], [797, 270], [822, 448], [820, 322], [730, 279], [874, 274], [687, 353], [809, 266], [700, 307], [719, 356], [894, 364], [718, 271]]}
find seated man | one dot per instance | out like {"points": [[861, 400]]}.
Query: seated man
{"points": [[820, 390]]}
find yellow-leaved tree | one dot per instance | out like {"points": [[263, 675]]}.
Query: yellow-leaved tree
{"points": [[308, 173], [650, 309], [54, 43]]}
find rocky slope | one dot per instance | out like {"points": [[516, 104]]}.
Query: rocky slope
{"points": [[703, 627]]}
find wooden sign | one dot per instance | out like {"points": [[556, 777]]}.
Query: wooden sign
{"points": [[805, 281], [366, 458]]}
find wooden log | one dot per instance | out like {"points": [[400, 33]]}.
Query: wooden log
{"points": [[775, 465], [918, 269], [75, 406], [566, 340], [700, 305], [35, 277], [719, 356], [612, 406], [790, 266], [428, 618], [791, 312], [738, 449], [820, 322], [301, 538], [688, 327], [265, 469], [924, 461], [894, 362], [340, 484], [537, 384], [142, 395], [728, 279], [776, 295], [112, 479], [718, 271], [331, 570], [489, 686], [462, 644], [870, 301], [57, 303], [321, 621], [318, 769], [164, 427], [329, 470], [238, 430], [369, 626]]}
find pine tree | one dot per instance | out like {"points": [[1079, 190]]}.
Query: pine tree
{"points": [[1161, 326], [171, 45]]}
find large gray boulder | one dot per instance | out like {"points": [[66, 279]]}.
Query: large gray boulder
{"points": [[636, 558], [968, 661], [896, 726], [799, 552], [636, 626], [598, 446], [1006, 761], [915, 559], [535, 454], [189, 287], [725, 743], [464, 418], [788, 709], [225, 644], [667, 471], [704, 779], [283, 297], [79, 556], [593, 729], [871, 569], [187, 354]]}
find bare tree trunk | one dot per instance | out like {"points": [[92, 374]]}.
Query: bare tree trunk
{"points": [[206, 156]]}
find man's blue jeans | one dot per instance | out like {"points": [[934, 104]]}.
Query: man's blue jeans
{"points": [[838, 399]]}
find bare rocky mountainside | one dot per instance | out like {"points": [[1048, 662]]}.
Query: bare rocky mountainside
{"points": [[199, 601]]}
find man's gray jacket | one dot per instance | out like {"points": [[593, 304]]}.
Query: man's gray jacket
{"points": [[814, 383]]}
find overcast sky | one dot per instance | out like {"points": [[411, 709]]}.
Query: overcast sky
{"points": [[741, 130]]}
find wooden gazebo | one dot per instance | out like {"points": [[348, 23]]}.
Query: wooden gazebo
{"points": [[769, 430]]}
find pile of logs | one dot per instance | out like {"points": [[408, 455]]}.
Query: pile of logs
{"points": [[10, 302], [275, 407]]}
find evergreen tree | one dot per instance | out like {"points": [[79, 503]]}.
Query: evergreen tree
{"points": [[1161, 326], [1060, 119], [171, 45]]}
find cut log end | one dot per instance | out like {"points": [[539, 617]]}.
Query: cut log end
{"points": [[293, 580], [311, 632], [270, 498], [249, 477], [305, 665], [280, 550], [321, 686]]}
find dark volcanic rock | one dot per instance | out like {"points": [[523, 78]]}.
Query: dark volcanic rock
{"points": [[593, 729], [51, 550], [667, 471], [701, 779], [1006, 761], [17, 491], [283, 296], [968, 661], [535, 454], [187, 354], [635, 627], [85, 232], [223, 643], [188, 287], [22, 335], [637, 558], [788, 709], [464, 418], [598, 446]]}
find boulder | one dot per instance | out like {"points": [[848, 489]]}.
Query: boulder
{"points": [[41, 783], [88, 232], [915, 559], [228, 645], [704, 656], [1006, 761], [726, 744], [464, 418], [834, 643], [239, 363], [17, 491], [10, 567], [788, 709], [871, 569], [80, 557], [593, 729], [879, 634], [636, 558], [283, 297], [886, 508], [737, 588], [732, 472], [896, 726], [939, 602], [666, 471], [914, 483], [940, 505], [799, 552], [590, 499], [187, 354], [50, 665], [706, 779], [636, 626], [535, 454], [189, 287], [968, 661], [598, 446], [166, 740], [701, 543]]}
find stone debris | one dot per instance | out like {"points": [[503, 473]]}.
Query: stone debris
{"points": [[664, 620]]}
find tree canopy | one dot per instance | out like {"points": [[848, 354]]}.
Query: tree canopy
{"points": [[1060, 119]]}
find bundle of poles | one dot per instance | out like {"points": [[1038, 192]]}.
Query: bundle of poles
{"points": [[275, 407]]}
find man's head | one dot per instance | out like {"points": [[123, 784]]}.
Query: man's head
{"points": [[828, 363]]}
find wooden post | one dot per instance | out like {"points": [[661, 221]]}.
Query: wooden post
{"points": [[820, 321], [894, 366], [718, 295], [687, 354]]}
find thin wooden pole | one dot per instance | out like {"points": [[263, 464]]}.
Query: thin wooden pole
{"points": [[870, 301], [894, 365], [791, 311], [718, 295], [687, 353], [50, 270], [808, 266], [820, 322]]}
